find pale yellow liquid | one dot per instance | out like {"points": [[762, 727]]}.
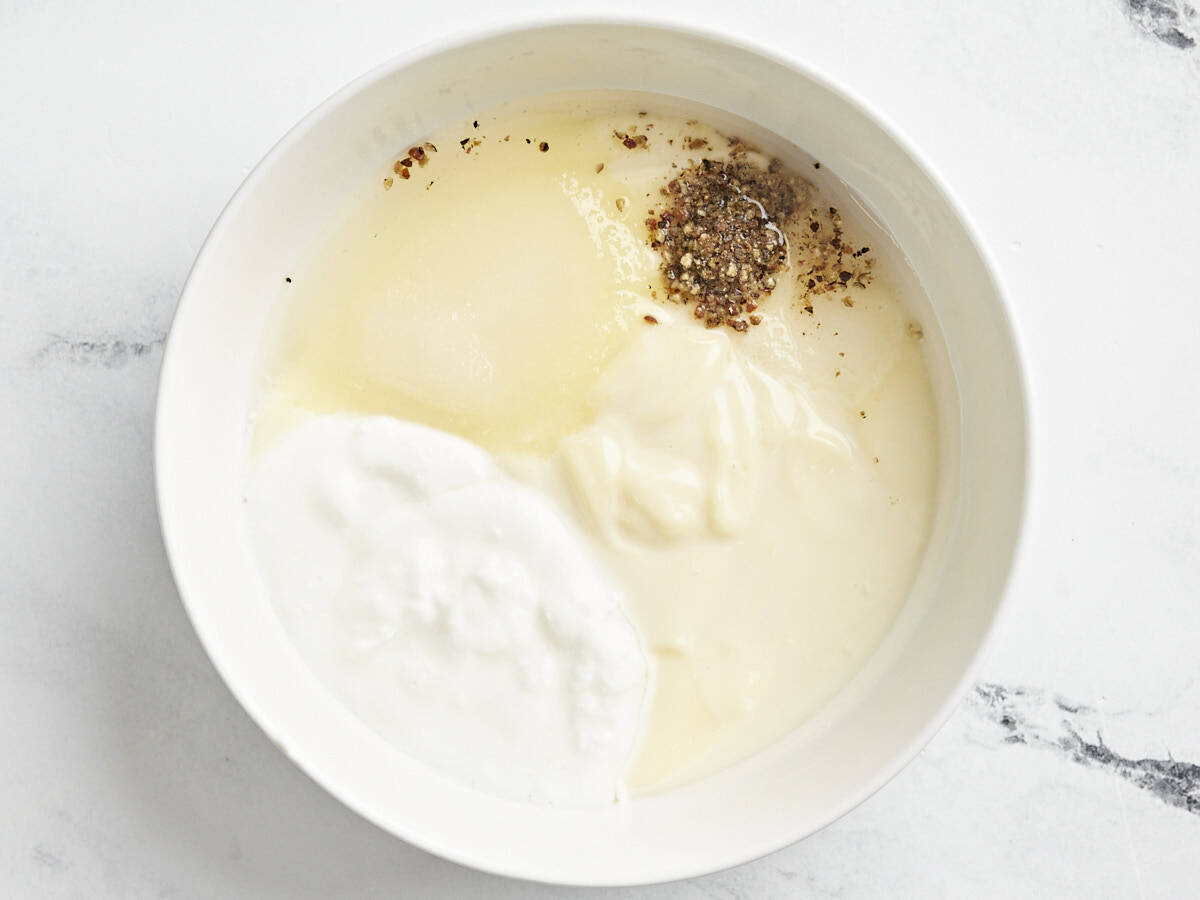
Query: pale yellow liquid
{"points": [[504, 302], [482, 296]]}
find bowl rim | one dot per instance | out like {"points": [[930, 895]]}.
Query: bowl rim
{"points": [[459, 39]]}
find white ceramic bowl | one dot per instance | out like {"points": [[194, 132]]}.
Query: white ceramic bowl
{"points": [[775, 798]]}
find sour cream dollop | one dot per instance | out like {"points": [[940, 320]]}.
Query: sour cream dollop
{"points": [[454, 610]]}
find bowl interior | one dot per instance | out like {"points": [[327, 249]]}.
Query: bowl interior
{"points": [[778, 796]]}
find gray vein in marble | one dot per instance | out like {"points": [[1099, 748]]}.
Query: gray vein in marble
{"points": [[1173, 22], [44, 857], [1044, 719], [107, 352]]}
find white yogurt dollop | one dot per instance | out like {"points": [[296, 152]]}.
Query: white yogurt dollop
{"points": [[450, 607]]}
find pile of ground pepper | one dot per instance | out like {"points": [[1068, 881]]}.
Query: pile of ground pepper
{"points": [[728, 226], [721, 235]]}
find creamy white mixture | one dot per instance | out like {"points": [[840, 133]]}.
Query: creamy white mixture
{"points": [[756, 504]]}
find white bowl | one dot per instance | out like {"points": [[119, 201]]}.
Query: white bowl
{"points": [[794, 788]]}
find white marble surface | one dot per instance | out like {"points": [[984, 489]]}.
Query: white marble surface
{"points": [[1070, 131]]}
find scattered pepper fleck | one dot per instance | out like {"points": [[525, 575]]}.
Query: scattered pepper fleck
{"points": [[651, 319], [599, 168], [824, 261], [632, 141], [543, 146]]}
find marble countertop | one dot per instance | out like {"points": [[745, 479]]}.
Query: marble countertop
{"points": [[1071, 130]]}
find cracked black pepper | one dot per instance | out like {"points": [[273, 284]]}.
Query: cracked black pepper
{"points": [[721, 235]]}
